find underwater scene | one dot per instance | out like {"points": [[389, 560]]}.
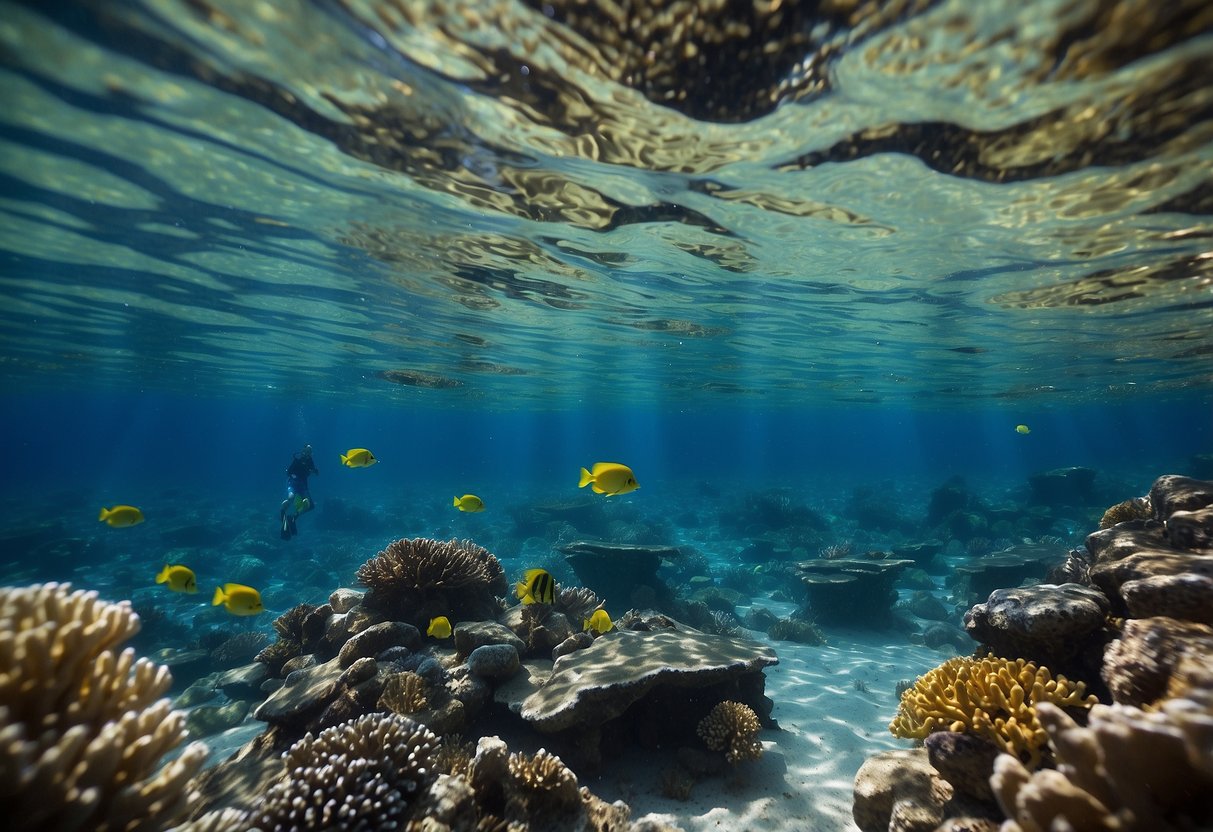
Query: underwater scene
{"points": [[599, 416]]}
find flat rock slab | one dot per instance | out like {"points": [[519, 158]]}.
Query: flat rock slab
{"points": [[533, 675], [597, 684], [304, 691]]}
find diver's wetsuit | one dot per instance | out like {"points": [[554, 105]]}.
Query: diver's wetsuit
{"points": [[298, 500]]}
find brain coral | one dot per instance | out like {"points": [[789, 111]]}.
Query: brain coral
{"points": [[359, 775], [82, 726], [993, 698], [732, 727]]}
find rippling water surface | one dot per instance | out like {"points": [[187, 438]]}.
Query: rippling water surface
{"points": [[542, 203]]}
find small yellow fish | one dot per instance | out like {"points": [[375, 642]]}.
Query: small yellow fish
{"points": [[440, 627], [609, 478], [1024, 429], [179, 578], [238, 599], [358, 458], [599, 622], [536, 588], [120, 516], [469, 502]]}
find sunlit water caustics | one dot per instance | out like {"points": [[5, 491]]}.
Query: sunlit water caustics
{"points": [[540, 204]]}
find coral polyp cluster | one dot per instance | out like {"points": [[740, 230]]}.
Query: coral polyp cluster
{"points": [[1138, 508], [414, 579], [732, 727], [994, 698]]}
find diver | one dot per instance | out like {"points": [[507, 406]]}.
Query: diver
{"points": [[298, 500]]}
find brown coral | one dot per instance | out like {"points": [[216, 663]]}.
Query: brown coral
{"points": [[732, 726], [82, 726], [1136, 509], [454, 755], [992, 697], [361, 774], [404, 694], [418, 578], [577, 602]]}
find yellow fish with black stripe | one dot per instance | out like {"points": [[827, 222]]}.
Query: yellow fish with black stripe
{"points": [[537, 587], [609, 478], [238, 599], [178, 577]]}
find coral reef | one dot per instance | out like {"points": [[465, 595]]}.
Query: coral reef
{"points": [[733, 728], [404, 694], [82, 726], [361, 774], [993, 698], [852, 591], [414, 579], [1127, 770], [798, 630], [289, 627], [543, 773], [1138, 508]]}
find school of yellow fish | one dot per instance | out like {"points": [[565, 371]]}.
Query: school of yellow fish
{"points": [[536, 587]]}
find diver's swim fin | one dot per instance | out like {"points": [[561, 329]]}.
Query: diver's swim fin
{"points": [[286, 526], [294, 530]]}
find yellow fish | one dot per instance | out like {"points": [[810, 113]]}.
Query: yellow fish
{"points": [[120, 516], [440, 627], [599, 622], [609, 478], [357, 458], [238, 599], [469, 502], [536, 588], [179, 578], [1024, 429]]}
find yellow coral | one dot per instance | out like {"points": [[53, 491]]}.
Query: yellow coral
{"points": [[543, 772], [734, 726], [993, 698], [1136, 509]]}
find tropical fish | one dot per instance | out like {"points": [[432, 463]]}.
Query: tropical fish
{"points": [[440, 627], [120, 516], [469, 502], [1024, 429], [599, 622], [537, 587], [357, 458], [238, 599], [179, 578], [609, 478]]}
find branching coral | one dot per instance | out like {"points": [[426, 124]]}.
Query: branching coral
{"points": [[544, 775], [416, 579], [289, 627], [1136, 509], [404, 694], [993, 698], [361, 774], [732, 726], [454, 756], [577, 602], [82, 726]]}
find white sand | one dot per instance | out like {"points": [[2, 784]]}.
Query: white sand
{"points": [[805, 777]]}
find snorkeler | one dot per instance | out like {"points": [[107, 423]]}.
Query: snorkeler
{"points": [[298, 500]]}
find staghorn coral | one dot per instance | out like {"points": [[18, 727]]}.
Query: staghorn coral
{"points": [[732, 726], [82, 726], [992, 697], [543, 785], [404, 694], [418, 578], [359, 775], [1138, 508]]}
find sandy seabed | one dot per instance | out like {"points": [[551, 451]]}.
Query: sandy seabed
{"points": [[833, 704]]}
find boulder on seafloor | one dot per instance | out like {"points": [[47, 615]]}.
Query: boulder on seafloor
{"points": [[899, 790], [1139, 665], [1072, 486], [472, 634], [1009, 567], [1172, 492], [494, 661], [594, 685], [855, 592], [1049, 622]]}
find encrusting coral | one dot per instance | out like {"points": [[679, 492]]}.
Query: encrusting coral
{"points": [[992, 697], [733, 728], [404, 694], [82, 726], [362, 774]]}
